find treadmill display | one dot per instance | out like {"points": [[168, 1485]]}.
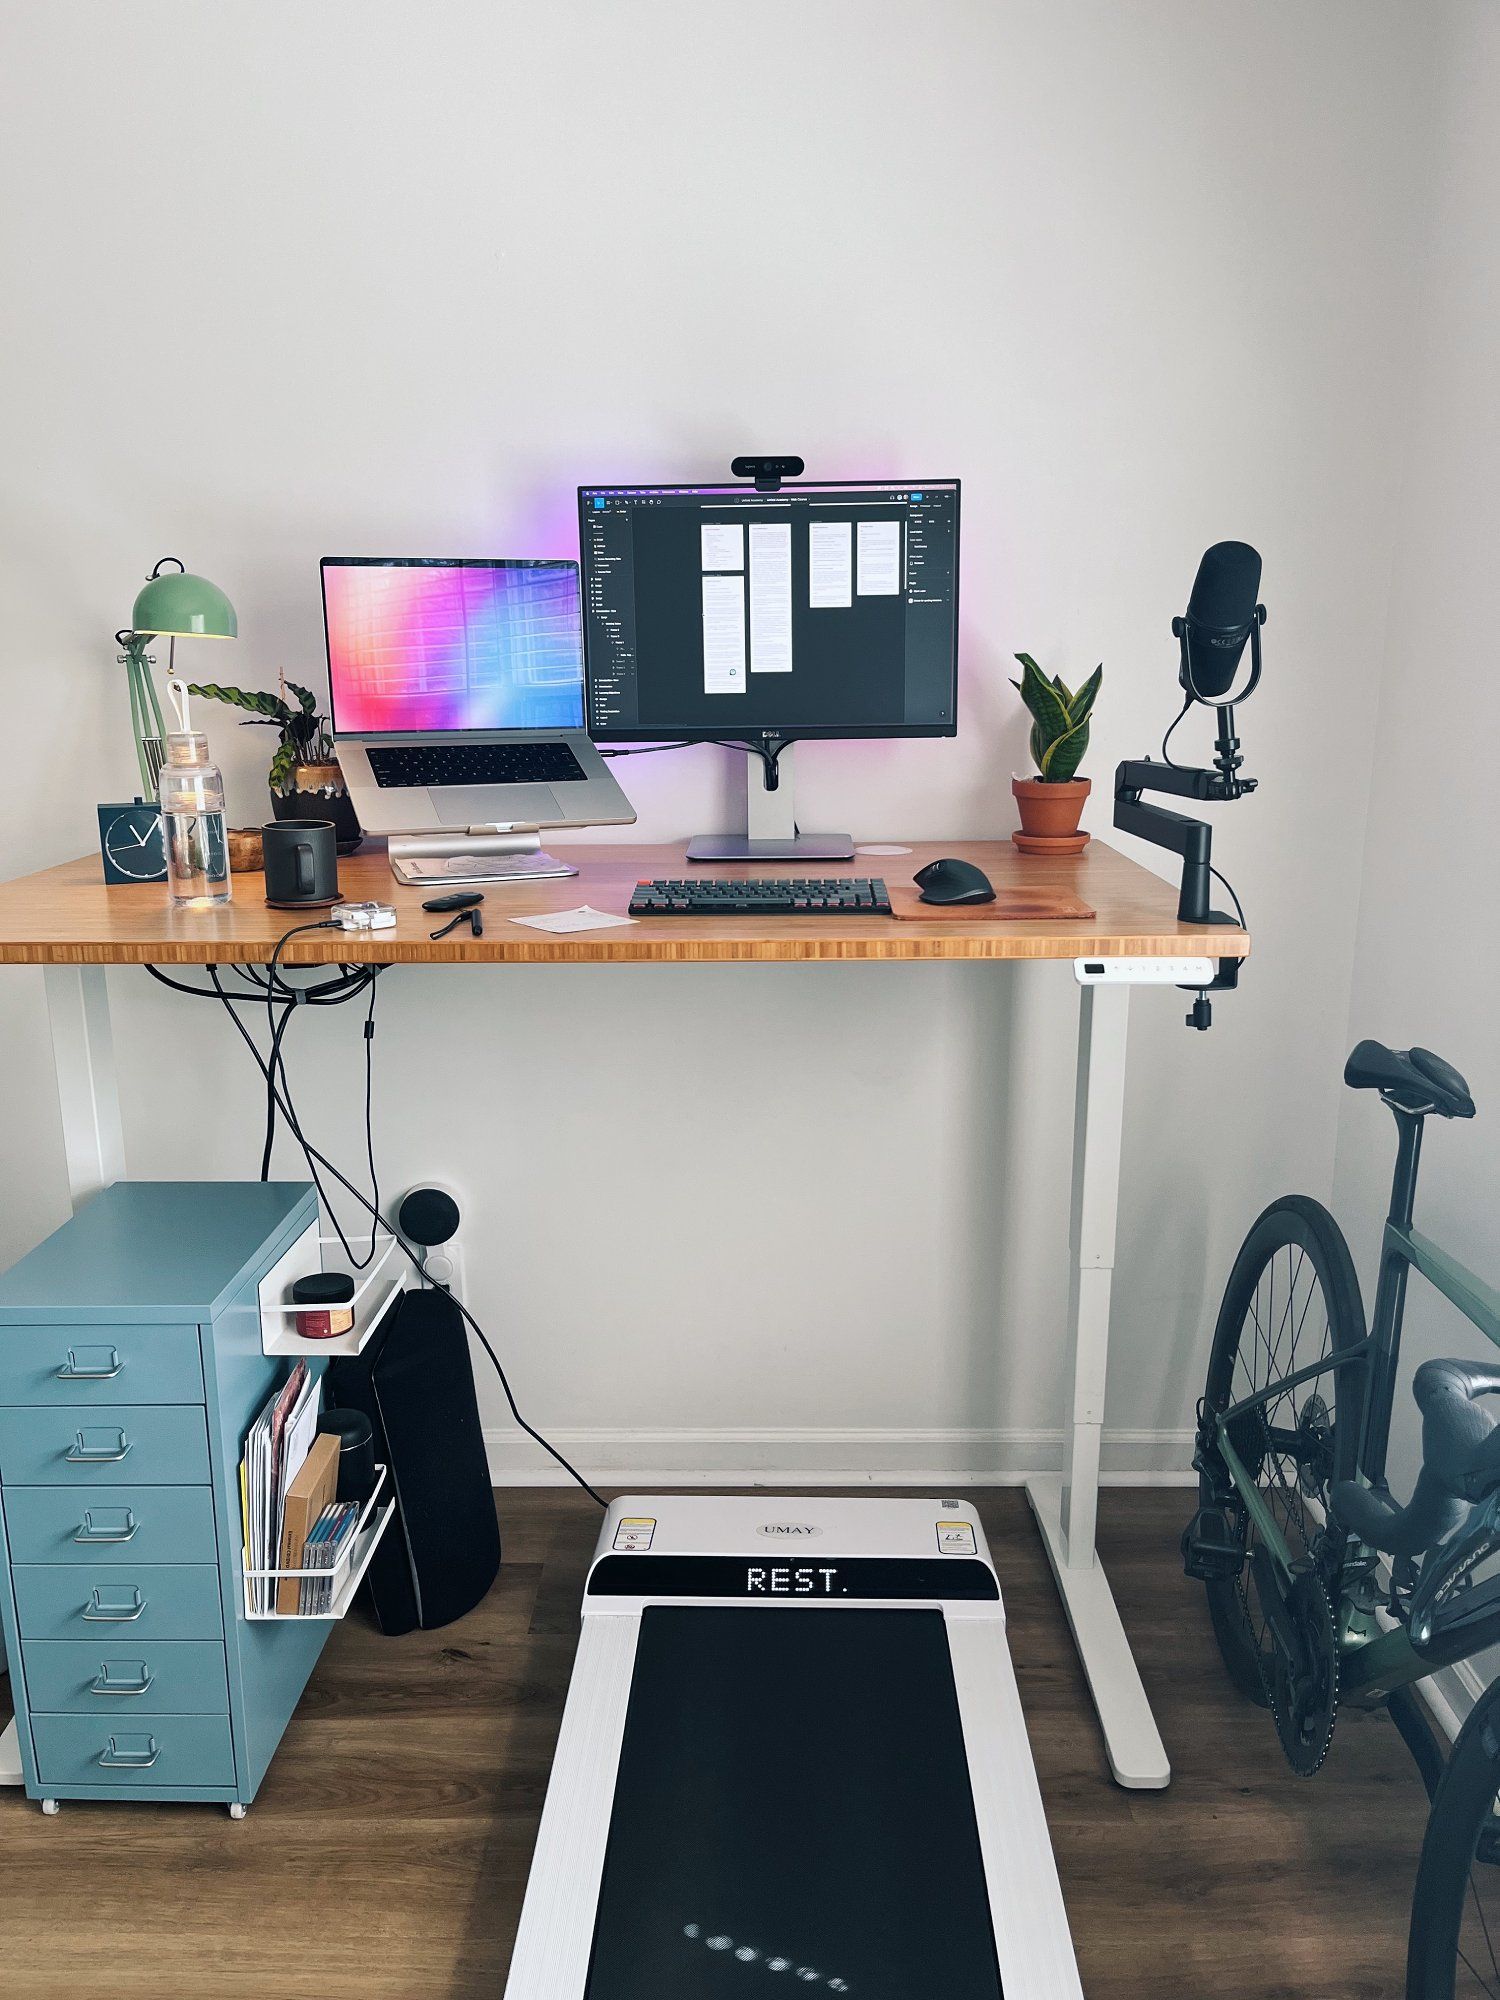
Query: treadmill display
{"points": [[792, 1800]]}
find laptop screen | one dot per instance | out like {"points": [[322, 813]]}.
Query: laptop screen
{"points": [[438, 645]]}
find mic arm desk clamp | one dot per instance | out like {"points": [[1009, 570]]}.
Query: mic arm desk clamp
{"points": [[1192, 839]]}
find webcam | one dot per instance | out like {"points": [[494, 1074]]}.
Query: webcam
{"points": [[767, 473]]}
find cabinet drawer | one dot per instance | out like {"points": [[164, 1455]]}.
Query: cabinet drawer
{"points": [[100, 1364], [171, 1750], [117, 1602], [144, 1444], [111, 1524], [119, 1678]]}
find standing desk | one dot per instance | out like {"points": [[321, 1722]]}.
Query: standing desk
{"points": [[67, 921]]}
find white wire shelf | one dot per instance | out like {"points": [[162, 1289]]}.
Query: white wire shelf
{"points": [[346, 1575]]}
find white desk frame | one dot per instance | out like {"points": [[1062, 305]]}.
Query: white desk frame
{"points": [[1066, 1505]]}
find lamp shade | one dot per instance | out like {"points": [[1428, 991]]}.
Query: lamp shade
{"points": [[179, 605]]}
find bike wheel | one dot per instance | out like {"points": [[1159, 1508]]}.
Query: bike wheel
{"points": [[1453, 1952], [1292, 1299]]}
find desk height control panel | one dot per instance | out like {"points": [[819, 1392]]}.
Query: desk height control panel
{"points": [[131, 1367]]}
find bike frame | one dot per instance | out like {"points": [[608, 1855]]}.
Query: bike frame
{"points": [[1374, 1660]]}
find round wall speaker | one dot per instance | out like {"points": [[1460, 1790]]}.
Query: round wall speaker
{"points": [[427, 1216]]}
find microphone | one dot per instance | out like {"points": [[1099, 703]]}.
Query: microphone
{"points": [[1220, 614]]}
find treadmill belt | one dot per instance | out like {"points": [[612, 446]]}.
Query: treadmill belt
{"points": [[792, 1814]]}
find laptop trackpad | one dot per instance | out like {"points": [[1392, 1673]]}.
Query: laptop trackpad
{"points": [[483, 805]]}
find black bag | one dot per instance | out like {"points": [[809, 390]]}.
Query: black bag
{"points": [[415, 1383]]}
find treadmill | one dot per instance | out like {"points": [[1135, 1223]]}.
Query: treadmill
{"points": [[792, 1761]]}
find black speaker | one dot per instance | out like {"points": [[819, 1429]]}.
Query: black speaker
{"points": [[416, 1385], [427, 1216]]}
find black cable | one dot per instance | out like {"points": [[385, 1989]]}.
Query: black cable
{"points": [[277, 1030], [1229, 889], [1186, 705], [270, 1139], [471, 917], [312, 1154], [370, 1105], [688, 743]]}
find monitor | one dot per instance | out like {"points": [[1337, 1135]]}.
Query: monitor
{"points": [[727, 612], [426, 643]]}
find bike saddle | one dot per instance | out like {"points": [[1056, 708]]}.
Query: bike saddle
{"points": [[1413, 1079], [1460, 1463]]}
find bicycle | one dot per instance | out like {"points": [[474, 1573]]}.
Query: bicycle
{"points": [[1295, 1515]]}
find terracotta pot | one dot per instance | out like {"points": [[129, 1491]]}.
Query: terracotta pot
{"points": [[1050, 815], [318, 792]]}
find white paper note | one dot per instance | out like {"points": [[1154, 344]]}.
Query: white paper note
{"points": [[723, 635], [771, 598], [880, 558], [581, 919], [830, 580], [723, 544]]}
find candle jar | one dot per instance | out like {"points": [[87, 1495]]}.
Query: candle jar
{"points": [[323, 1305]]}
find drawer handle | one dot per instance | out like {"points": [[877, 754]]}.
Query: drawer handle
{"points": [[102, 1682], [72, 1372], [114, 1758], [85, 1454], [97, 1612], [89, 1534]]}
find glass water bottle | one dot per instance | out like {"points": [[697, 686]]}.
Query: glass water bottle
{"points": [[193, 829]]}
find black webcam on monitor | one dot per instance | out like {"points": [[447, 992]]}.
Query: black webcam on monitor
{"points": [[767, 473]]}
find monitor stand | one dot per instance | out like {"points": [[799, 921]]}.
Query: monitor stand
{"points": [[770, 823]]}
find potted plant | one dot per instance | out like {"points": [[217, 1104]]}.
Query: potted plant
{"points": [[305, 779], [1051, 803]]}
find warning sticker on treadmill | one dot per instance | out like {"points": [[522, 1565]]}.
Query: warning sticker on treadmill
{"points": [[634, 1534], [956, 1538]]}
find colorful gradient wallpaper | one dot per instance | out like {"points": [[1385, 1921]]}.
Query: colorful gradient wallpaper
{"points": [[453, 646]]}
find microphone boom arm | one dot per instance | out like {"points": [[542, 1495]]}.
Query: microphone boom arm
{"points": [[1179, 834], [1191, 838]]}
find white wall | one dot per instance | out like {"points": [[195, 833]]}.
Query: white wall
{"points": [[284, 280], [1427, 960]]}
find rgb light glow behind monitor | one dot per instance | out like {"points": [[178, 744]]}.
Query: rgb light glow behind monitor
{"points": [[437, 645]]}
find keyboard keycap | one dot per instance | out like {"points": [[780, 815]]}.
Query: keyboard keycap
{"points": [[713, 896]]}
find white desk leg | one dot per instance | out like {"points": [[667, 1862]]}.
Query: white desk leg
{"points": [[83, 1055], [1066, 1508]]}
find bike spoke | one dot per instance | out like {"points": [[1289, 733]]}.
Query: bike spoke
{"points": [[1280, 1329], [1491, 1991]]}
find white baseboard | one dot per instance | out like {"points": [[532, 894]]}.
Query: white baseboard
{"points": [[811, 1457]]}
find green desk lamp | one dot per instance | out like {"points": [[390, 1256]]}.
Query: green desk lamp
{"points": [[173, 605]]}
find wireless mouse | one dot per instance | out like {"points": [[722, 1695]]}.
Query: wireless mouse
{"points": [[953, 881]]}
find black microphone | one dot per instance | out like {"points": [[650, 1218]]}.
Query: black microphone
{"points": [[1220, 614]]}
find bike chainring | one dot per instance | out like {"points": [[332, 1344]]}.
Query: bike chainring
{"points": [[1304, 1692]]}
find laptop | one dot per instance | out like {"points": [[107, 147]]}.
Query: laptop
{"points": [[456, 695]]}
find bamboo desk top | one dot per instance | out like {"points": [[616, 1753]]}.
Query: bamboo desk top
{"points": [[67, 916]]}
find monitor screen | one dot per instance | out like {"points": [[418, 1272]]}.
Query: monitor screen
{"points": [[451, 645], [827, 610]]}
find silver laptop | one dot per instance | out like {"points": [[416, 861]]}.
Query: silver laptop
{"points": [[456, 695]]}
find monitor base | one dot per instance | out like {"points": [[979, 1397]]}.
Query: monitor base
{"points": [[801, 847]]}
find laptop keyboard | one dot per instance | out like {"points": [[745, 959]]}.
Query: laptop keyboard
{"points": [[473, 764]]}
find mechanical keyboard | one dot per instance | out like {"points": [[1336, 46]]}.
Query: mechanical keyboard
{"points": [[762, 896], [473, 764]]}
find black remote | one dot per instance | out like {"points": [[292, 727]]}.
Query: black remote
{"points": [[461, 899]]}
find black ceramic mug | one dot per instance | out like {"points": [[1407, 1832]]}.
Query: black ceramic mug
{"points": [[301, 862]]}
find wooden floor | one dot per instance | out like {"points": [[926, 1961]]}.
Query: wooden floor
{"points": [[387, 1852]]}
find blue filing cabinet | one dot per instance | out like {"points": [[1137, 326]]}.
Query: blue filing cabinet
{"points": [[131, 1366]]}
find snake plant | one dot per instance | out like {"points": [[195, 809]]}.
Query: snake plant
{"points": [[304, 732], [1059, 719]]}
